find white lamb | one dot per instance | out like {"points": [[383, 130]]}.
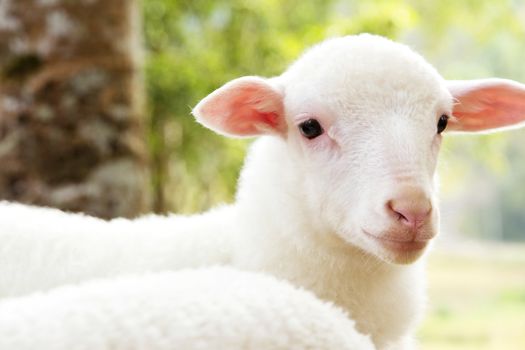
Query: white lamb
{"points": [[337, 197], [207, 309]]}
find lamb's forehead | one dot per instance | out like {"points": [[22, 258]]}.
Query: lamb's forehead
{"points": [[364, 67]]}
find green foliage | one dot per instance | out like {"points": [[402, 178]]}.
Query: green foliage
{"points": [[193, 47]]}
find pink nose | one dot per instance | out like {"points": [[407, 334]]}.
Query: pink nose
{"points": [[411, 208]]}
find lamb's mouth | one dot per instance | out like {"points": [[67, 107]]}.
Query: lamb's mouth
{"points": [[399, 245]]}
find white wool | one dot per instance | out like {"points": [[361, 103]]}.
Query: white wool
{"points": [[317, 213], [43, 247], [206, 309]]}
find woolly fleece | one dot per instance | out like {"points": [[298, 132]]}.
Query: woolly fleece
{"points": [[206, 309]]}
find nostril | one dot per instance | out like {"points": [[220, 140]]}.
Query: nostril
{"points": [[400, 215], [412, 213]]}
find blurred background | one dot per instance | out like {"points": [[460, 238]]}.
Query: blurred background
{"points": [[95, 101]]}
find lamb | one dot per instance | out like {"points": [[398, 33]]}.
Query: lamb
{"points": [[337, 196], [205, 309]]}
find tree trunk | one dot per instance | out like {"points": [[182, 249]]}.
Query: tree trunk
{"points": [[70, 106]]}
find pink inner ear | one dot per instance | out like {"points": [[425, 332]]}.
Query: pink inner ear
{"points": [[244, 107], [487, 104], [248, 111]]}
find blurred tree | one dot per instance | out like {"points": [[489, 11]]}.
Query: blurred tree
{"points": [[70, 134]]}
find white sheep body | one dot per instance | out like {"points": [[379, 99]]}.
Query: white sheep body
{"points": [[206, 309]]}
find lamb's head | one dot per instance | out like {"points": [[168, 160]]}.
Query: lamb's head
{"points": [[362, 118]]}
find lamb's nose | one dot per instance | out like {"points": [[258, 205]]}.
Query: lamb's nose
{"points": [[411, 208]]}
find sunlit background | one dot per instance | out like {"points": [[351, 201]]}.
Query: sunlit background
{"points": [[95, 163]]}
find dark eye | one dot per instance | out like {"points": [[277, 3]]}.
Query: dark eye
{"points": [[442, 123], [310, 129]]}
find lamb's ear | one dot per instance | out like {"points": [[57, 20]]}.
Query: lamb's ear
{"points": [[487, 104], [246, 106]]}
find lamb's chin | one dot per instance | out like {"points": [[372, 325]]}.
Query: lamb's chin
{"points": [[403, 257], [396, 252]]}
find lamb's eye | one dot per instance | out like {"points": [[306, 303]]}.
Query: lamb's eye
{"points": [[310, 129], [442, 123]]}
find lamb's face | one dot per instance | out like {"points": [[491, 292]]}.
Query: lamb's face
{"points": [[363, 128], [362, 117]]}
